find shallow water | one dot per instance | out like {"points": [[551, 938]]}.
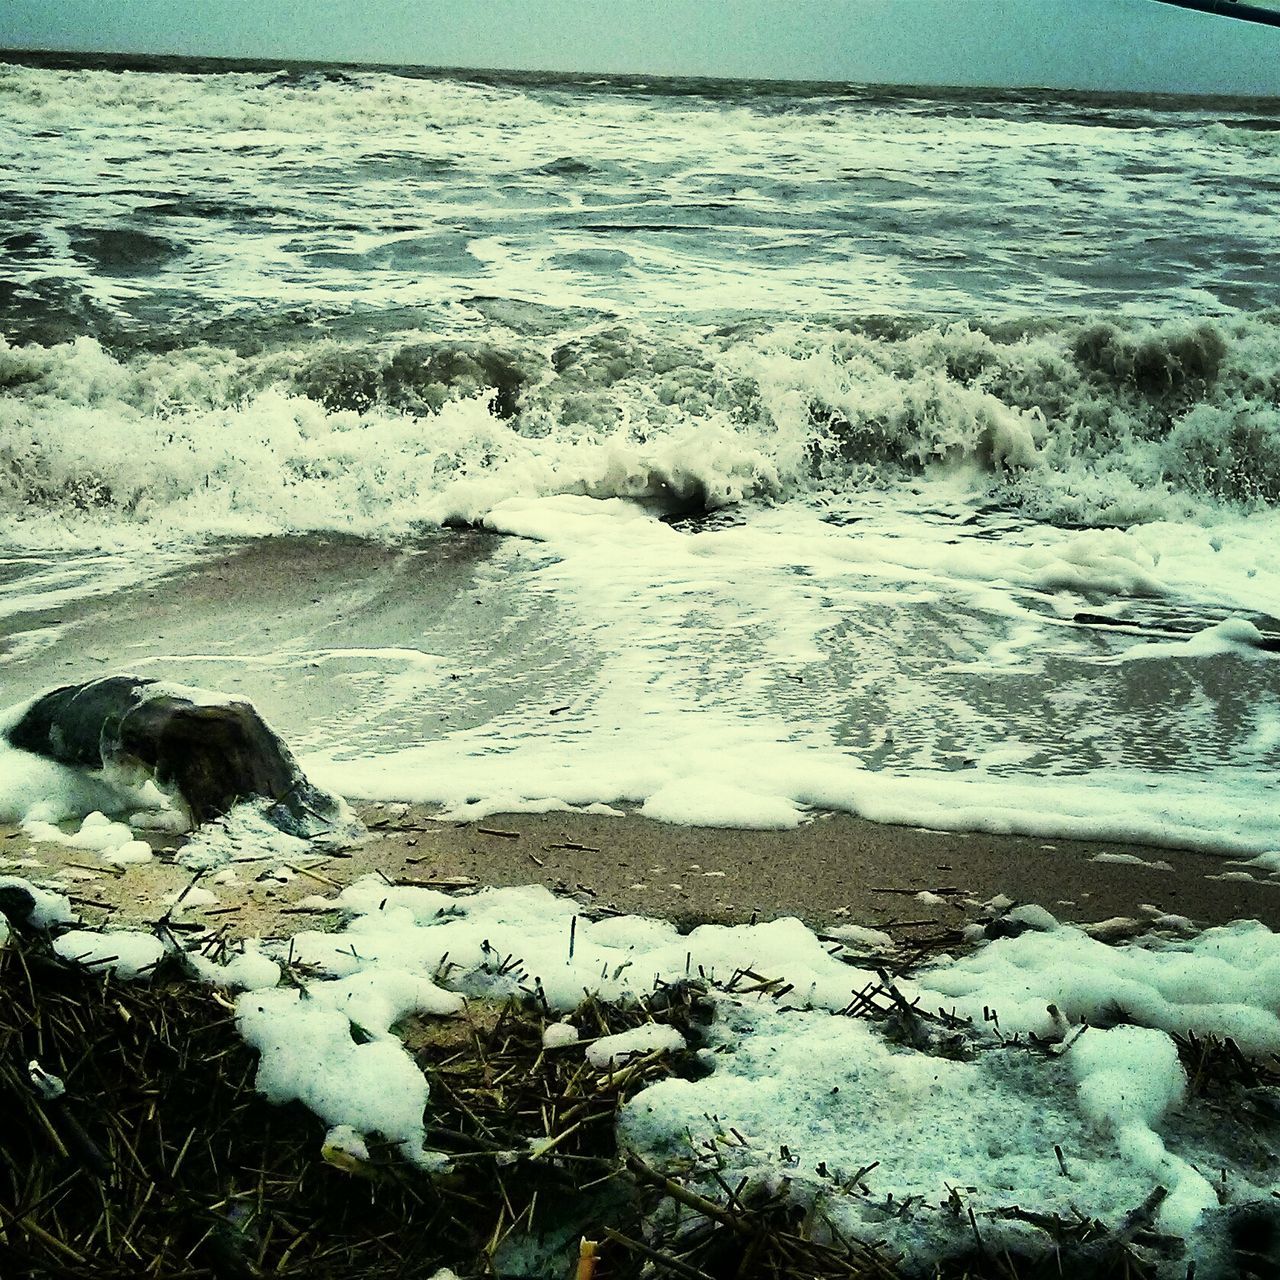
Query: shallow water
{"points": [[834, 447]]}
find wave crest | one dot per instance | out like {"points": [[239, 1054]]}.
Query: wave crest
{"points": [[1081, 422]]}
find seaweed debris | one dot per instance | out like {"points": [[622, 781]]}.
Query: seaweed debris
{"points": [[134, 1145]]}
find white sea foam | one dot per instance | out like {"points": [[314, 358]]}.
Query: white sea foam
{"points": [[946, 543], [40, 790], [124, 953], [705, 647], [377, 438], [899, 666], [620, 199], [837, 1113]]}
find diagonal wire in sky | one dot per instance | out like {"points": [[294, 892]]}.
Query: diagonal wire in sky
{"points": [[1231, 9]]}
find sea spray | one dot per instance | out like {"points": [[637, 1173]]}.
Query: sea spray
{"points": [[1086, 422]]}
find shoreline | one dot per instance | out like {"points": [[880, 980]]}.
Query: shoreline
{"points": [[834, 871], [364, 650]]}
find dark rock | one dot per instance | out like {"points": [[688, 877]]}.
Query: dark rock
{"points": [[214, 751]]}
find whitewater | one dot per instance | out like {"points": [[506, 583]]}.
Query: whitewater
{"points": [[729, 452]]}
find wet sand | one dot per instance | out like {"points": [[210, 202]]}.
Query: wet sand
{"points": [[835, 870], [237, 617], [233, 616]]}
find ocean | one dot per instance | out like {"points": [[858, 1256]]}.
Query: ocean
{"points": [[729, 452]]}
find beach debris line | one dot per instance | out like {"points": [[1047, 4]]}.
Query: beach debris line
{"points": [[160, 1157], [204, 1177], [839, 1120], [209, 751]]}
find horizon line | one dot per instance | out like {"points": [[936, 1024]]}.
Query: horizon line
{"points": [[12, 53]]}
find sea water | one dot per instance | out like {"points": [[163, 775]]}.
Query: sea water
{"points": [[732, 451]]}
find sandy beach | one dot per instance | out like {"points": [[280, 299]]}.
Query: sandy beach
{"points": [[919, 886], [236, 618], [779, 571]]}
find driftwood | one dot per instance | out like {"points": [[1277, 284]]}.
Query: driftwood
{"points": [[213, 750]]}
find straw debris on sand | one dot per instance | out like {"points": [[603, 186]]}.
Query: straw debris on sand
{"points": [[134, 1144]]}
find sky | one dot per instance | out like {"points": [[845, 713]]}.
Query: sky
{"points": [[1136, 45]]}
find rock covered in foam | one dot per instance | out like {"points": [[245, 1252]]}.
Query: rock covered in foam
{"points": [[212, 749]]}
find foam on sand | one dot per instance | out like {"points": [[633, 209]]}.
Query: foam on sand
{"points": [[1086, 1121], [124, 953], [308, 1054]]}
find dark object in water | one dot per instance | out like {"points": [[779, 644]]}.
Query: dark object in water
{"points": [[213, 750]]}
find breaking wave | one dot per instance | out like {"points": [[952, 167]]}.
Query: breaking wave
{"points": [[1087, 422]]}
